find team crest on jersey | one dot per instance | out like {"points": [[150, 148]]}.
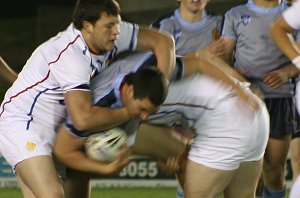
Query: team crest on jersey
{"points": [[30, 146], [245, 19]]}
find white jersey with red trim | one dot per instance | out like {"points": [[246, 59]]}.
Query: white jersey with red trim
{"points": [[291, 15], [63, 63]]}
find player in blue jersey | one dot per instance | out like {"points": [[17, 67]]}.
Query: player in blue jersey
{"points": [[192, 27], [285, 25], [56, 79], [247, 40]]}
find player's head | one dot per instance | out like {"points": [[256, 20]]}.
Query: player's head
{"points": [[145, 90], [92, 10], [191, 5], [98, 20]]}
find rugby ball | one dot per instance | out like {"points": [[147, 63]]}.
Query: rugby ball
{"points": [[105, 146]]}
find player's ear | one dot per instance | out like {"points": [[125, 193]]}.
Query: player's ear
{"points": [[130, 91], [87, 26]]}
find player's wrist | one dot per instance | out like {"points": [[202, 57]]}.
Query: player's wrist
{"points": [[296, 62]]}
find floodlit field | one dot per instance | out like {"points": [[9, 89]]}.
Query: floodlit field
{"points": [[109, 193]]}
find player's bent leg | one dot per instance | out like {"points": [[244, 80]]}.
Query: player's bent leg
{"points": [[202, 181], [245, 180], [39, 175], [165, 143], [77, 184], [274, 163]]}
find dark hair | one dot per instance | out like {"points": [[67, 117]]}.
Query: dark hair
{"points": [[149, 83], [91, 10]]}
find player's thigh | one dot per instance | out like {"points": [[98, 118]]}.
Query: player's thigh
{"points": [[39, 175], [245, 180], [27, 193], [165, 143], [202, 181]]}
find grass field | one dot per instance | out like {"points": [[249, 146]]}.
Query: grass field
{"points": [[109, 193]]}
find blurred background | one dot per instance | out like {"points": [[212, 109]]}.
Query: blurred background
{"points": [[24, 24]]}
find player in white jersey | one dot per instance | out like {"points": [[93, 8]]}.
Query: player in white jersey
{"points": [[285, 25], [56, 79], [192, 27], [246, 35], [225, 157]]}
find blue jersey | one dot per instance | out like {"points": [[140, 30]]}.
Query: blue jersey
{"points": [[105, 86], [255, 51], [190, 37]]}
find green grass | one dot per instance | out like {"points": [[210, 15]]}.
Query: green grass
{"points": [[109, 193]]}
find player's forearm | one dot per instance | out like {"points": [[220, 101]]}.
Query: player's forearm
{"points": [[99, 119], [68, 150], [280, 33], [291, 71], [77, 160], [7, 73], [87, 117], [213, 71], [212, 66]]}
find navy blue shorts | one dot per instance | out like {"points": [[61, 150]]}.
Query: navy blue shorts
{"points": [[296, 134], [282, 116]]}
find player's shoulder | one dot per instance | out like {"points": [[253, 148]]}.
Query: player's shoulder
{"points": [[214, 16], [68, 41], [166, 17], [236, 9]]}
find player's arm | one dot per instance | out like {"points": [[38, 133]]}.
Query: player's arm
{"points": [[163, 47], [69, 150], [228, 50], [87, 117], [280, 33], [209, 64], [203, 65], [7, 74]]}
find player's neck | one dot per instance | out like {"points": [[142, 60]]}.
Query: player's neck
{"points": [[90, 46], [190, 16], [267, 3]]}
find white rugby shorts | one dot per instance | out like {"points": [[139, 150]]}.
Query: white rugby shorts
{"points": [[17, 146], [230, 135]]}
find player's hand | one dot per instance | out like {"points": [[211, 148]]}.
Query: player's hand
{"points": [[248, 99], [120, 161], [170, 165], [217, 47], [276, 78]]}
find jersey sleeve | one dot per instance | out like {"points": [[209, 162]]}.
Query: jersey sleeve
{"points": [[72, 71], [128, 37], [291, 15], [228, 27]]}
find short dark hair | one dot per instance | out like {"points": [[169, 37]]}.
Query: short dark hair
{"points": [[149, 83], [91, 10]]}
